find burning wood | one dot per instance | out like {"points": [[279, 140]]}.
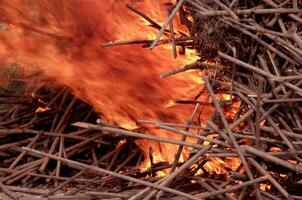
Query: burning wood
{"points": [[106, 130]]}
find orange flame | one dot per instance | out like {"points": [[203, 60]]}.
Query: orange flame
{"points": [[63, 38]]}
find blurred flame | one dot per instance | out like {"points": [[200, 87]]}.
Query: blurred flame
{"points": [[63, 38]]}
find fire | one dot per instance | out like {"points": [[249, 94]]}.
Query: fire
{"points": [[63, 38]]}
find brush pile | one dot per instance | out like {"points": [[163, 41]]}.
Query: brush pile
{"points": [[53, 144]]}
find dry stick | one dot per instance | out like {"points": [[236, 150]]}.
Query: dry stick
{"points": [[253, 108], [195, 65], [203, 6], [263, 43], [22, 175], [248, 11], [215, 128], [28, 164], [167, 22], [26, 101], [140, 13], [209, 188], [259, 71], [58, 167], [270, 178], [20, 156], [54, 99], [233, 70], [72, 135], [275, 127], [51, 150], [263, 30], [273, 197], [108, 155], [237, 175], [65, 93], [138, 135], [94, 157], [284, 124], [297, 39], [159, 123], [5, 170], [276, 69], [71, 150], [264, 66], [288, 46], [112, 162], [232, 188], [292, 50], [245, 65], [184, 137], [287, 133], [29, 167], [13, 144], [178, 153], [272, 159], [264, 139], [107, 194], [258, 113], [75, 197], [282, 135], [133, 154], [95, 169], [82, 187], [7, 191], [273, 4], [200, 137], [233, 3], [282, 27], [27, 190], [114, 158], [172, 38], [196, 5], [56, 140], [170, 177], [295, 4], [219, 187], [118, 43], [137, 164], [297, 119], [80, 173], [178, 41], [227, 9], [226, 126], [270, 121]]}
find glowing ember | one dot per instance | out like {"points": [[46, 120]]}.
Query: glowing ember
{"points": [[275, 149], [41, 109], [265, 187], [219, 166]]}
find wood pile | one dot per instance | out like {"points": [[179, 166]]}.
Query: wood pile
{"points": [[52, 146]]}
